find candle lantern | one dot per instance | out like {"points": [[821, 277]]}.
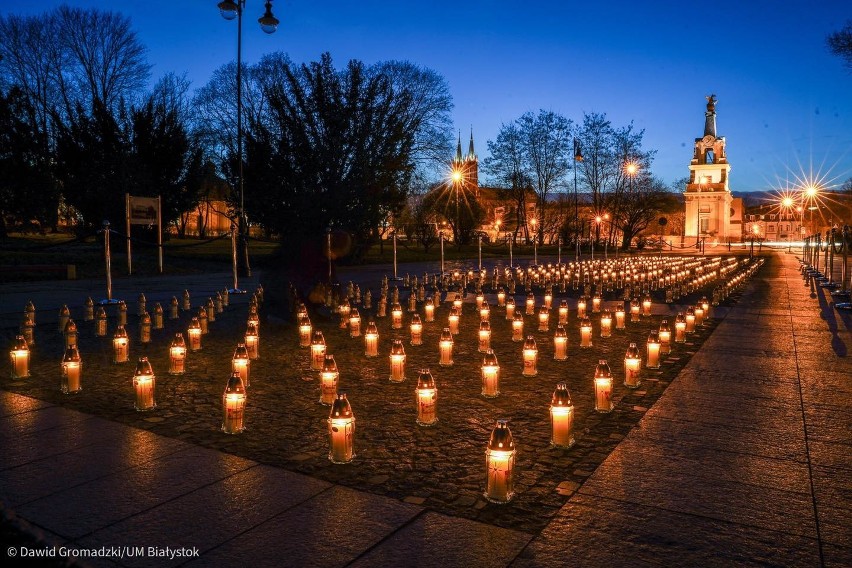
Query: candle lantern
{"points": [[254, 317], [480, 297], [665, 338], [194, 333], [141, 305], [226, 298], [490, 375], [202, 320], [484, 311], [158, 316], [500, 465], [344, 309], [220, 303], [561, 418], [252, 341], [122, 313], [510, 308], [669, 295], [680, 328], [341, 430], [653, 361], [543, 318], [186, 304], [416, 330], [144, 383], [646, 306], [177, 355], [145, 328], [234, 405], [429, 310], [690, 320], [581, 307], [70, 334], [64, 316], [632, 366], [426, 395], [453, 320], [72, 370], [120, 346], [30, 310], [396, 316], [563, 312], [586, 333], [619, 316], [705, 305], [501, 297], [89, 312], [457, 301], [397, 362], [596, 303], [354, 323], [329, 379], [560, 344], [484, 336], [699, 315], [368, 299], [445, 348], [173, 309], [211, 310], [606, 324], [371, 340], [317, 351], [530, 355], [27, 329], [530, 304], [101, 322], [305, 330], [436, 298], [383, 306], [241, 363], [20, 358], [634, 310], [603, 387], [548, 299], [518, 328]]}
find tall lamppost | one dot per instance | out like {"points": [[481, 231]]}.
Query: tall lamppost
{"points": [[268, 23], [457, 181], [787, 207], [578, 157], [534, 222], [632, 169], [809, 193]]}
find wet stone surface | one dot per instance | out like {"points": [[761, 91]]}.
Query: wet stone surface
{"points": [[440, 467]]}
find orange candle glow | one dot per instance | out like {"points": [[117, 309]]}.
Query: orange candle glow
{"points": [[484, 336], [252, 339], [665, 338], [606, 324], [144, 383], [680, 328], [177, 355], [510, 308], [317, 351], [341, 431], [530, 356], [416, 330], [632, 366], [653, 360], [490, 375], [371, 340], [563, 312], [560, 344], [603, 387], [396, 316], [72, 370], [329, 378], [397, 362], [426, 396], [20, 358], [429, 310], [241, 363], [586, 333], [445, 348], [234, 405], [500, 464], [194, 333], [543, 318], [120, 346], [561, 418]]}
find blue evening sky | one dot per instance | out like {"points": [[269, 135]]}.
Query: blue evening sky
{"points": [[785, 103]]}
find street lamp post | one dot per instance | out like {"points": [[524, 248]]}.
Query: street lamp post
{"points": [[441, 234], [578, 157], [268, 23], [533, 222]]}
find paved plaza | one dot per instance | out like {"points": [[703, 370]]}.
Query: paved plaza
{"points": [[736, 452]]}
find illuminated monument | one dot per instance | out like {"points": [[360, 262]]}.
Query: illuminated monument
{"points": [[711, 210]]}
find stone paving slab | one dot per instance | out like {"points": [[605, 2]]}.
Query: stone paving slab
{"points": [[596, 531], [210, 515], [332, 529], [58, 472], [16, 404], [433, 539], [72, 513]]}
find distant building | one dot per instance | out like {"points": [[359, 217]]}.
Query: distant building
{"points": [[711, 211]]}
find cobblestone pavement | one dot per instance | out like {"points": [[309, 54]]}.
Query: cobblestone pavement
{"points": [[442, 467]]}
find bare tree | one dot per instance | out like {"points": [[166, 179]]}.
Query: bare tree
{"points": [[641, 204], [840, 43], [595, 136], [506, 166], [107, 60]]}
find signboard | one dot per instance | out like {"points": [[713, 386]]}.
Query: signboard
{"points": [[143, 210]]}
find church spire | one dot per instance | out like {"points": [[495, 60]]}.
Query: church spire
{"points": [[458, 149], [471, 155], [710, 117]]}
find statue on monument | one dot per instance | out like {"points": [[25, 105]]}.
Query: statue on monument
{"points": [[711, 103]]}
